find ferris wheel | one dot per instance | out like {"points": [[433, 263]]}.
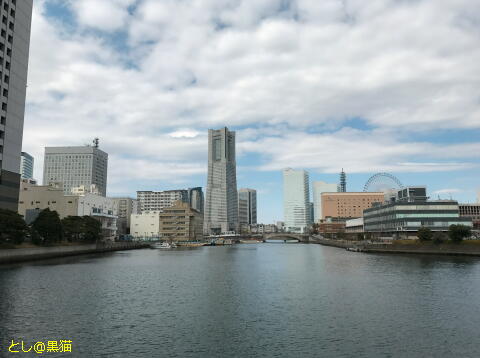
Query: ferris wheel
{"points": [[382, 182]]}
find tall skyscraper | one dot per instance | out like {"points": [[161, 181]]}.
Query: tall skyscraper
{"points": [[14, 51], [247, 206], [320, 187], [221, 204], [196, 199], [343, 182], [26, 166], [76, 166], [296, 200]]}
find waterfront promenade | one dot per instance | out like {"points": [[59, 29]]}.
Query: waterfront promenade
{"points": [[465, 248]]}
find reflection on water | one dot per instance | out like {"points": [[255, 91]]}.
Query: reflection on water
{"points": [[246, 301]]}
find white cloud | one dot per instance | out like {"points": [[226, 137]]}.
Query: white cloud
{"points": [[359, 151], [275, 70], [106, 15], [447, 191]]}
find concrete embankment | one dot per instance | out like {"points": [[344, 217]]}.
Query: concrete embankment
{"points": [[461, 249], [40, 253]]}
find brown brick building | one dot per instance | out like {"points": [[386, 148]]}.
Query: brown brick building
{"points": [[348, 205], [181, 223]]}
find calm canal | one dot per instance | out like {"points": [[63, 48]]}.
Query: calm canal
{"points": [[266, 300]]}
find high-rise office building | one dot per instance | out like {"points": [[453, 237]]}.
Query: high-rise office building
{"points": [[14, 51], [247, 206], [75, 167], [221, 204], [159, 200], [320, 187], [296, 200], [196, 199], [343, 182], [26, 166]]}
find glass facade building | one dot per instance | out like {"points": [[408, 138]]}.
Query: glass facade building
{"points": [[26, 166], [296, 200], [247, 206], [398, 217]]}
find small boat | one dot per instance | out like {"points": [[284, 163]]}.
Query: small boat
{"points": [[190, 244], [353, 249], [164, 245]]}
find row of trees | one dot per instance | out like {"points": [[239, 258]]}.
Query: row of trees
{"points": [[456, 233], [47, 228]]}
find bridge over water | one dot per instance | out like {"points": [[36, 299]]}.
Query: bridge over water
{"points": [[281, 236]]}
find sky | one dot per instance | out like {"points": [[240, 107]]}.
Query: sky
{"points": [[368, 86]]}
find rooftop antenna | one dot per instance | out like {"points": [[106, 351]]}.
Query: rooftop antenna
{"points": [[96, 141]]}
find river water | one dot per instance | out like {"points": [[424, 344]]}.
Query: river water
{"points": [[265, 300]]}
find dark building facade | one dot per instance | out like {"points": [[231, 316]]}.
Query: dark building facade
{"points": [[14, 52], [471, 211]]}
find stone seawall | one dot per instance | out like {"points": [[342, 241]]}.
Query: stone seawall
{"points": [[462, 249], [40, 253]]}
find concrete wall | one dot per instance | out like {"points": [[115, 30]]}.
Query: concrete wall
{"points": [[39, 253]]}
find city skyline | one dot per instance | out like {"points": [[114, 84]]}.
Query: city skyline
{"points": [[370, 123]]}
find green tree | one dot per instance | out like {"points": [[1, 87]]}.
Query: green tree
{"points": [[48, 226], [439, 237], [73, 228], [424, 234], [459, 232], [12, 227], [92, 229]]}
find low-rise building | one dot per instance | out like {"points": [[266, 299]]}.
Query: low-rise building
{"points": [[263, 228], [34, 198], [145, 225], [329, 227], [125, 208], [354, 225], [471, 211], [181, 223], [402, 219]]}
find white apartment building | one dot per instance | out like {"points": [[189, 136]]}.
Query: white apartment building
{"points": [[145, 225], [34, 198], [296, 200], [320, 187], [76, 166], [158, 200]]}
